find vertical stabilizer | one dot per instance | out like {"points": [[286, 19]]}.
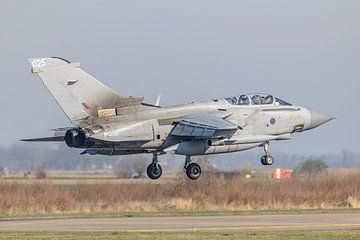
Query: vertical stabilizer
{"points": [[78, 93]]}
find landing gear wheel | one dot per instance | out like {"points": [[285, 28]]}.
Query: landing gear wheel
{"points": [[154, 171], [269, 160], [193, 171], [263, 160]]}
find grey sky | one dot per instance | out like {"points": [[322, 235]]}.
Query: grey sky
{"points": [[306, 52]]}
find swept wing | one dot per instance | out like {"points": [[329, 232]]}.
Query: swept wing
{"points": [[203, 126]]}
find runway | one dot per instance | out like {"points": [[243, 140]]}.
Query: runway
{"points": [[186, 224]]}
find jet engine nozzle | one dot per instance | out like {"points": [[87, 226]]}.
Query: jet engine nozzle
{"points": [[76, 137]]}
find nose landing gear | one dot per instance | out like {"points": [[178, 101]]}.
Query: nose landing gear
{"points": [[193, 170], [154, 170], [267, 159]]}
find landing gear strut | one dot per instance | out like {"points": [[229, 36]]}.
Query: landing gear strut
{"points": [[193, 170], [154, 170], [267, 159]]}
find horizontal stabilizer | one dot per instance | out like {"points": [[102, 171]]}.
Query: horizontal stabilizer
{"points": [[45, 139]]}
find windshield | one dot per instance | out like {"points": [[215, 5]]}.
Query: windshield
{"points": [[282, 102]]}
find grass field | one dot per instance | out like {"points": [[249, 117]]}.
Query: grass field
{"points": [[211, 194], [310, 235], [102, 195]]}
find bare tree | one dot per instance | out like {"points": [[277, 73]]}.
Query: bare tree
{"points": [[2, 171], [40, 172], [139, 165], [205, 163], [123, 168], [311, 167]]}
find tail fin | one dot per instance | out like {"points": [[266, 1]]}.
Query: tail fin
{"points": [[79, 94]]}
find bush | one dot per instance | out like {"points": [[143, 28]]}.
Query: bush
{"points": [[311, 167], [139, 165], [123, 169], [40, 173]]}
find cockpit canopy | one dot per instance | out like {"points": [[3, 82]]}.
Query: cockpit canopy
{"points": [[256, 99]]}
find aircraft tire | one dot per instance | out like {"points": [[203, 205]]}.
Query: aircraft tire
{"points": [[154, 171], [193, 171], [269, 160], [263, 160]]}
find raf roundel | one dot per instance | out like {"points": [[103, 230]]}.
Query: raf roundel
{"points": [[272, 121]]}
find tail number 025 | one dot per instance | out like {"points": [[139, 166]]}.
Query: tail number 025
{"points": [[38, 63]]}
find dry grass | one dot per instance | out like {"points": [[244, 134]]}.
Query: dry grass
{"points": [[209, 193]]}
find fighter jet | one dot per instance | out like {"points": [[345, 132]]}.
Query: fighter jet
{"points": [[106, 123]]}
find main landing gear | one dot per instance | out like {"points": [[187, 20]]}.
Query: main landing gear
{"points": [[193, 170], [154, 170], [267, 159]]}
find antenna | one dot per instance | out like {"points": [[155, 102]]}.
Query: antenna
{"points": [[157, 103]]}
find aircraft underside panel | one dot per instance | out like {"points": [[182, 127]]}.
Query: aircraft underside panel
{"points": [[201, 147], [111, 151], [231, 148]]}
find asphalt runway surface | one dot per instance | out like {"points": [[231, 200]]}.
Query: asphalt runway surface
{"points": [[185, 224]]}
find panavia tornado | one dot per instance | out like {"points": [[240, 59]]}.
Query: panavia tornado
{"points": [[106, 123]]}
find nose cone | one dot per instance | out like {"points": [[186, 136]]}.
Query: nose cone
{"points": [[318, 119]]}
